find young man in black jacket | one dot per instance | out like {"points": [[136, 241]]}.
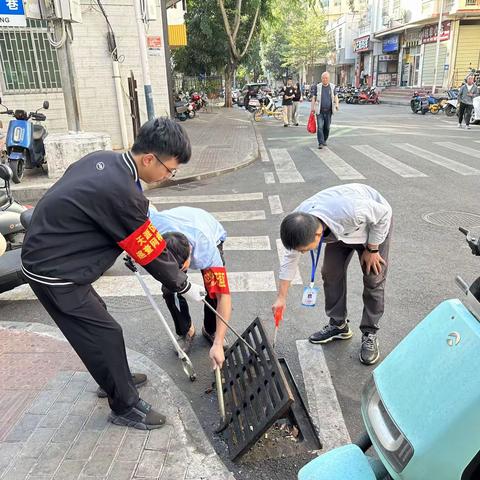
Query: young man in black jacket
{"points": [[81, 225]]}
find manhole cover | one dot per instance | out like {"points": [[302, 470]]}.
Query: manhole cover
{"points": [[453, 219], [128, 304]]}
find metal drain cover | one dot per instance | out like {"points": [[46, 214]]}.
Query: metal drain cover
{"points": [[453, 219]]}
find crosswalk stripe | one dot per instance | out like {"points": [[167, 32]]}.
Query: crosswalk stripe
{"points": [[269, 177], [128, 286], [281, 252], [261, 149], [240, 215], [338, 166], [247, 243], [285, 166], [388, 162], [275, 204], [229, 197], [456, 167], [472, 152]]}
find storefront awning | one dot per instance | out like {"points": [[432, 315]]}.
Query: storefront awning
{"points": [[408, 26]]}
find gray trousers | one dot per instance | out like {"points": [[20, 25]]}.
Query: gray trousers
{"points": [[334, 274]]}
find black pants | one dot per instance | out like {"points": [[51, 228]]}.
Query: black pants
{"points": [[323, 126], [465, 111], [181, 316], [94, 334]]}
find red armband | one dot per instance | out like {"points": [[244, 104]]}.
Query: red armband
{"points": [[215, 281], [144, 244]]}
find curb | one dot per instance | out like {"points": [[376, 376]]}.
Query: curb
{"points": [[199, 445]]}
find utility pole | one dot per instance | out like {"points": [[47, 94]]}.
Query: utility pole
{"points": [[168, 63], [142, 43], [437, 51], [67, 76]]}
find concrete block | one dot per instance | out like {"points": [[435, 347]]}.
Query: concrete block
{"points": [[37, 442], [131, 448], [150, 464], [99, 463], [20, 468], [69, 469], [43, 402], [83, 446], [69, 429], [50, 459], [24, 428], [121, 470], [64, 149], [56, 415]]}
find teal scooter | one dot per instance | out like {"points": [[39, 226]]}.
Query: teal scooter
{"points": [[421, 406]]}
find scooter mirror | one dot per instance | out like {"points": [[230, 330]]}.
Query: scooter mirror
{"points": [[5, 173], [46, 105]]}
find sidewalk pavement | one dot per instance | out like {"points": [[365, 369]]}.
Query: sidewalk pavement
{"points": [[223, 140], [53, 425]]}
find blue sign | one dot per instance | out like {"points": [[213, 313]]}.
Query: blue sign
{"points": [[12, 13], [390, 44]]}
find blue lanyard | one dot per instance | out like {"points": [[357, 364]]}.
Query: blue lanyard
{"points": [[315, 260]]}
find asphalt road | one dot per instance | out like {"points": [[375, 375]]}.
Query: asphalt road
{"points": [[424, 257]]}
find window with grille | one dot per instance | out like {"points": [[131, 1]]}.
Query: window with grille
{"points": [[29, 63]]}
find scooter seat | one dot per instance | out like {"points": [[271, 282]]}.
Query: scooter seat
{"points": [[11, 275], [344, 463], [39, 132], [26, 218]]}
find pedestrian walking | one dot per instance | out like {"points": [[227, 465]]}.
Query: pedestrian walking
{"points": [[195, 238], [94, 213], [324, 104], [287, 102], [347, 219], [297, 98], [468, 91]]}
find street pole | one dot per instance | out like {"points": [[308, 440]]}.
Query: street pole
{"points": [[168, 63], [67, 76], [437, 51], [142, 43]]}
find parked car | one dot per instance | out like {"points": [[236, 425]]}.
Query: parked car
{"points": [[254, 88]]}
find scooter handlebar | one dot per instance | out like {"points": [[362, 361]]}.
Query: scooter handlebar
{"points": [[463, 230]]}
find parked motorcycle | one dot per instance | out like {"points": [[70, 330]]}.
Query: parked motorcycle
{"points": [[420, 406], [10, 211], [25, 140], [419, 103], [368, 95]]}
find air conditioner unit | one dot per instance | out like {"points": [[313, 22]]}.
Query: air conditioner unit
{"points": [[150, 10], [68, 10]]}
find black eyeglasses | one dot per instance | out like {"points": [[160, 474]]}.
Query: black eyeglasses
{"points": [[172, 171]]}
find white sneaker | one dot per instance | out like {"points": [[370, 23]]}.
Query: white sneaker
{"points": [[468, 127], [459, 125]]}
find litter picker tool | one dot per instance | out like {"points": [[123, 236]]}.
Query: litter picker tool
{"points": [[231, 328], [186, 362], [278, 316], [219, 385]]}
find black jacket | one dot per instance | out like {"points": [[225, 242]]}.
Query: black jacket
{"points": [[85, 221]]}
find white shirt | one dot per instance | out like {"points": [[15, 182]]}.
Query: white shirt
{"points": [[355, 214]]}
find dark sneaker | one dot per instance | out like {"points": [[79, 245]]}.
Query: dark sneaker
{"points": [[142, 417], [139, 379], [320, 146], [285, 125], [369, 353], [331, 332], [211, 338]]}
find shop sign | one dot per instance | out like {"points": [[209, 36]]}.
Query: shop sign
{"points": [[390, 44], [362, 44], [154, 44], [12, 14], [387, 58], [429, 33]]}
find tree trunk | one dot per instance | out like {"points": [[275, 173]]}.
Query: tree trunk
{"points": [[229, 69]]}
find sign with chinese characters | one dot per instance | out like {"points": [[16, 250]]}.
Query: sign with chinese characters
{"points": [[362, 44], [387, 58], [390, 44], [154, 44], [12, 13], [429, 33]]}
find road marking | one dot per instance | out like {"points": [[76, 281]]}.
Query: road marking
{"points": [[285, 166], [322, 398], [229, 197], [389, 162], [239, 216], [261, 149], [275, 204], [456, 167], [269, 177], [128, 286], [297, 280], [338, 166], [472, 152], [247, 243]]}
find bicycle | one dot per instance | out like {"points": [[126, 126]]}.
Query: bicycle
{"points": [[271, 111]]}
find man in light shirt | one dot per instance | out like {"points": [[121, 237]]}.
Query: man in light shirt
{"points": [[195, 238], [347, 219]]}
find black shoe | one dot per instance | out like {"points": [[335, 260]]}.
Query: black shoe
{"points": [[211, 338], [139, 379], [369, 353], [296, 124], [142, 417], [331, 332], [186, 342], [320, 146], [285, 125]]}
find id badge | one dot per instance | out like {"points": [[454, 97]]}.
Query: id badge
{"points": [[309, 297]]}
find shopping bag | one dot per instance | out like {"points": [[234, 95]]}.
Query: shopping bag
{"points": [[312, 124]]}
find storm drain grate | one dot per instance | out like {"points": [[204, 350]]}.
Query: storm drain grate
{"points": [[453, 219], [256, 391]]}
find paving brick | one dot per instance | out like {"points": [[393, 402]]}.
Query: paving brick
{"points": [[36, 443], [71, 392], [81, 377], [114, 435], [43, 402], [150, 464], [59, 381], [8, 451], [121, 470], [69, 429], [56, 415], [83, 446], [20, 468], [50, 459], [99, 419], [177, 472], [159, 439], [100, 461], [69, 470], [84, 405], [131, 448], [24, 428]]}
